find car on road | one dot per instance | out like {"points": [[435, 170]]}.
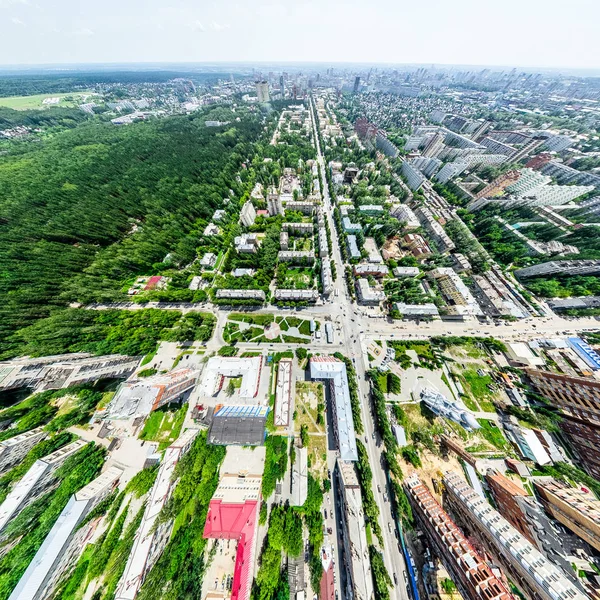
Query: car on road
{"points": [[390, 527], [325, 511], [395, 579], [379, 488]]}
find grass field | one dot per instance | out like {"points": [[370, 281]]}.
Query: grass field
{"points": [[29, 102]]}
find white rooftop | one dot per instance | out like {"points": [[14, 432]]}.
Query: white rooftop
{"points": [[218, 366], [328, 367]]}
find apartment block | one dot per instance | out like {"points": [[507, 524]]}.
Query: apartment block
{"points": [[467, 568], [359, 580], [248, 214], [66, 540], [38, 480], [14, 450], [575, 509], [535, 576], [560, 267]]}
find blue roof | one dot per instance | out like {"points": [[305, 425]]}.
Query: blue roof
{"points": [[585, 351]]}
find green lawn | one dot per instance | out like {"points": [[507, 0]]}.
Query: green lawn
{"points": [[164, 426], [493, 435], [29, 102]]}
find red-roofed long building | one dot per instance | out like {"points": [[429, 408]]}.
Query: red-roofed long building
{"points": [[233, 515]]}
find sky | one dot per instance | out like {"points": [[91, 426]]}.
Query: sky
{"points": [[529, 33]]}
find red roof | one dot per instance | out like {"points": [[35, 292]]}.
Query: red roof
{"points": [[153, 282], [235, 522], [327, 585]]}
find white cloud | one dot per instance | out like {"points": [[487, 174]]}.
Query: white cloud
{"points": [[83, 32], [219, 27], [7, 3], [198, 26], [17, 21]]}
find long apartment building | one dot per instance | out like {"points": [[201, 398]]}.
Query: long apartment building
{"points": [[559, 267], [152, 536], [37, 481], [456, 292], [473, 577], [63, 370], [14, 449], [576, 510], [359, 581], [435, 229], [66, 540], [579, 401], [536, 577]]}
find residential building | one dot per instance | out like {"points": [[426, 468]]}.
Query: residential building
{"points": [[246, 243], [152, 535], [326, 277], [274, 203], [450, 170], [66, 540], [301, 228], [306, 207], [353, 247], [248, 214], [528, 569], [371, 209], [209, 260], [15, 449], [284, 240], [575, 509], [366, 294], [299, 477], [455, 290], [413, 177], [296, 257], [467, 568], [434, 229], [243, 272], [211, 229], [558, 143], [323, 243], [296, 295], [38, 480], [405, 271], [417, 245], [233, 515], [283, 393], [427, 166], [350, 227], [460, 263], [241, 295], [139, 397], [538, 161], [219, 215], [262, 91], [506, 494], [404, 213], [499, 185], [417, 311], [334, 370], [366, 269], [356, 562], [449, 409], [63, 370], [560, 267], [219, 367]]}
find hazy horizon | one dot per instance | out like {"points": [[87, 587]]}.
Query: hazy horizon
{"points": [[528, 35]]}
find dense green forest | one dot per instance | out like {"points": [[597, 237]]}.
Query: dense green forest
{"points": [[133, 333], [84, 211], [51, 117]]}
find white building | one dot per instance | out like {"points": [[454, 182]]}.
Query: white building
{"points": [[248, 214], [283, 393], [38, 479], [262, 91], [14, 449], [151, 537], [65, 541], [404, 213], [219, 367], [328, 367]]}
